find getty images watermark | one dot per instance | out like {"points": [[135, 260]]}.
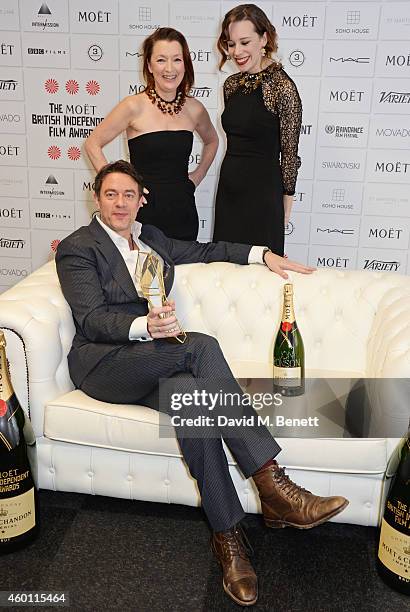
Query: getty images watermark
{"points": [[229, 400]]}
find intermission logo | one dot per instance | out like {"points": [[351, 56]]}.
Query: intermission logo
{"points": [[381, 265], [44, 20], [49, 189], [343, 131], [394, 97]]}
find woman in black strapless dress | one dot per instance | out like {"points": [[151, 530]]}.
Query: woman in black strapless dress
{"points": [[160, 123], [262, 120]]}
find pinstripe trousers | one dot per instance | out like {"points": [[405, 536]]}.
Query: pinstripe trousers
{"points": [[131, 375]]}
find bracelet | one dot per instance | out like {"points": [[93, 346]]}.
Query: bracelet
{"points": [[265, 250]]}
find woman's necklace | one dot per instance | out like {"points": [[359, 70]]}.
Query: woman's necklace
{"points": [[251, 81], [173, 107]]}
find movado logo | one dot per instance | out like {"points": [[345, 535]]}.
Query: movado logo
{"points": [[395, 132], [9, 118], [332, 262], [14, 272], [94, 16], [307, 21], [8, 85], [380, 265], [344, 95], [200, 92], [390, 233], [394, 97], [392, 167]]}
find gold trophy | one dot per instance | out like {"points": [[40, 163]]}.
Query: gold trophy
{"points": [[150, 278]]}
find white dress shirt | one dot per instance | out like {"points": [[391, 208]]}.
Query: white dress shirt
{"points": [[138, 329]]}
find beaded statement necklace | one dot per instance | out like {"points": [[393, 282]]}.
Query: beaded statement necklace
{"points": [[250, 82], [172, 107]]}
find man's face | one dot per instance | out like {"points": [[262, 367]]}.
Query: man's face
{"points": [[119, 201]]}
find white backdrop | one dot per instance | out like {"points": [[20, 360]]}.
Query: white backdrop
{"points": [[66, 63]]}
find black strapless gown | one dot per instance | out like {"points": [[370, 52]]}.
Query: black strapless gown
{"points": [[162, 159], [249, 200]]}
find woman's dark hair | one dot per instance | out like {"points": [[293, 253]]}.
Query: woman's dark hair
{"points": [[121, 166], [170, 35], [261, 23]]}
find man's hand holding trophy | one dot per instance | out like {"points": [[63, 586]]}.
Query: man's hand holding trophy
{"points": [[161, 319]]}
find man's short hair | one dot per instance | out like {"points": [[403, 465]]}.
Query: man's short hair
{"points": [[121, 166]]}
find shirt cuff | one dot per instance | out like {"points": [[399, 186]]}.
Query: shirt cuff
{"points": [[256, 255], [138, 330]]}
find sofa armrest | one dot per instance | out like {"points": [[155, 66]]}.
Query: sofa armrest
{"points": [[39, 329]]}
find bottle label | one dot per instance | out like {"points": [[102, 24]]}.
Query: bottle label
{"points": [[394, 551], [286, 375], [17, 515]]}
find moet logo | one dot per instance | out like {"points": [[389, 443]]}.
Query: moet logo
{"points": [[296, 21], [345, 95], [94, 16]]}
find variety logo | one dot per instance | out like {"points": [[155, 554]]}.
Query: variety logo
{"points": [[353, 60], [8, 85], [343, 131], [12, 243], [94, 17], [42, 19], [327, 230], [95, 53], [200, 92], [394, 97], [297, 58], [381, 266]]}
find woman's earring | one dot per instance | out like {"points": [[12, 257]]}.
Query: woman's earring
{"points": [[228, 57], [263, 51]]}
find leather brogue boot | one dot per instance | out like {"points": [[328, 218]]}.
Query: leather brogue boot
{"points": [[231, 549], [285, 504]]}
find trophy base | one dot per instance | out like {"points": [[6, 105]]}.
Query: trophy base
{"points": [[180, 339]]}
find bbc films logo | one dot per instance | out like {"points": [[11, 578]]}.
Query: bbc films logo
{"points": [[343, 131], [381, 266], [44, 51], [44, 19]]}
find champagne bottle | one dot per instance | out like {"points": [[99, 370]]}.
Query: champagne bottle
{"points": [[393, 562], [288, 351], [18, 467]]}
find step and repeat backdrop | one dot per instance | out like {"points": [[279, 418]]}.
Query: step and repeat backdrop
{"points": [[65, 63]]}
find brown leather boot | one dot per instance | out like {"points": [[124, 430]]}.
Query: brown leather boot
{"points": [[285, 504], [231, 548]]}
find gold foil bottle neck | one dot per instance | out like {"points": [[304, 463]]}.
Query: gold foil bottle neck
{"points": [[288, 289], [3, 342], [6, 388]]}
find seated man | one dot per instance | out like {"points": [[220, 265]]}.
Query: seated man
{"points": [[112, 359]]}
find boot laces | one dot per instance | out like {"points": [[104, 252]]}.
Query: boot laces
{"points": [[236, 543], [290, 488]]}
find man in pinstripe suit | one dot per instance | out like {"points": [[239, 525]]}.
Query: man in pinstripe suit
{"points": [[120, 351]]}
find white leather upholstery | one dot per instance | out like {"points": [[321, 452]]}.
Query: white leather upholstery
{"points": [[353, 324]]}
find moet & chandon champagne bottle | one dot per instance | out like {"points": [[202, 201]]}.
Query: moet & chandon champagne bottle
{"points": [[393, 562], [19, 520], [288, 351]]}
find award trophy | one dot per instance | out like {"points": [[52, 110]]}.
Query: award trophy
{"points": [[150, 278]]}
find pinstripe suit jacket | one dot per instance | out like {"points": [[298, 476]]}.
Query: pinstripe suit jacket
{"points": [[98, 287]]}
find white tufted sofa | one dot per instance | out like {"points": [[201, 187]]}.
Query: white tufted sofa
{"points": [[353, 324]]}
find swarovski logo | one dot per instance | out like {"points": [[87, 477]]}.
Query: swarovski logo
{"points": [[355, 60], [327, 230], [378, 264]]}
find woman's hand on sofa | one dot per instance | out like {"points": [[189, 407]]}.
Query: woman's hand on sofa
{"points": [[279, 265]]}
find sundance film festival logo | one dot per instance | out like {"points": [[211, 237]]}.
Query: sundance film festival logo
{"points": [[381, 266], [200, 92], [12, 243], [343, 131], [8, 85], [43, 19], [306, 21], [394, 97]]}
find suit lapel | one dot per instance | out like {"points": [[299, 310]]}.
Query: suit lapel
{"points": [[114, 259]]}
